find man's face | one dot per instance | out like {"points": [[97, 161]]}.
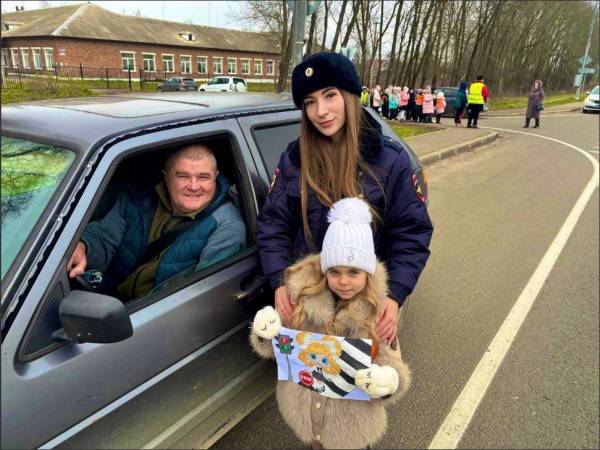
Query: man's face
{"points": [[191, 183]]}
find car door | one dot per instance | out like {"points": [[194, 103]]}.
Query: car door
{"points": [[185, 371]]}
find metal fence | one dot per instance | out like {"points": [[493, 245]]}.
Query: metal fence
{"points": [[89, 77]]}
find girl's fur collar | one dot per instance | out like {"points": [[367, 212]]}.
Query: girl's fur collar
{"points": [[319, 308]]}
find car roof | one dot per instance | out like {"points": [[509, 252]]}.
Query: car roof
{"points": [[97, 118]]}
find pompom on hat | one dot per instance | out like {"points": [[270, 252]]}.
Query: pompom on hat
{"points": [[349, 238], [321, 70]]}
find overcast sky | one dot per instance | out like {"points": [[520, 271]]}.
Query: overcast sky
{"points": [[212, 13]]}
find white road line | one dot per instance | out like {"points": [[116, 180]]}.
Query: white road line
{"points": [[461, 413], [593, 151]]}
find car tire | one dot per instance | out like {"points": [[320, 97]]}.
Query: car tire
{"points": [[202, 90]]}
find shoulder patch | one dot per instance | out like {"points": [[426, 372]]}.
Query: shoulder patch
{"points": [[417, 187], [275, 175]]}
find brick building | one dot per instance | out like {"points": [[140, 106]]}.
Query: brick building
{"points": [[89, 35]]}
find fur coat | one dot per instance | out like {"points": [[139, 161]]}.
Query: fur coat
{"points": [[333, 423]]}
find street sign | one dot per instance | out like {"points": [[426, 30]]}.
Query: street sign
{"points": [[585, 60], [591, 70], [577, 81]]}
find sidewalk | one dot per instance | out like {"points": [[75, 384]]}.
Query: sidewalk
{"points": [[448, 142], [567, 107]]}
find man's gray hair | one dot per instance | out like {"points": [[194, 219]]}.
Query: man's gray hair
{"points": [[193, 152]]}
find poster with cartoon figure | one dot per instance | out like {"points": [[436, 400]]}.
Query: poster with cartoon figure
{"points": [[326, 364]]}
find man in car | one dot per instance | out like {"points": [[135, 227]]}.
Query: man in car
{"points": [[184, 223]]}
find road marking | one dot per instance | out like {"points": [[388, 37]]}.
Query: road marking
{"points": [[451, 431], [593, 151]]}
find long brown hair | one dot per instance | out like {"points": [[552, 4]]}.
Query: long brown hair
{"points": [[331, 175], [368, 295]]}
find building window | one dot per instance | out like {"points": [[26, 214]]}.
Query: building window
{"points": [[231, 65], [168, 63], [14, 56], [202, 64], [149, 62], [128, 60], [186, 64], [25, 55], [187, 35], [49, 56], [5, 57], [245, 67], [218, 65], [258, 67], [270, 67], [37, 58]]}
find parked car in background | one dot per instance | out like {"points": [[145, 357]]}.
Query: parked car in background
{"points": [[592, 101], [224, 84], [450, 96], [171, 369], [178, 84]]}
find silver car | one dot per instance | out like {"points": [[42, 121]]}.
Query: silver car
{"points": [[172, 369]]}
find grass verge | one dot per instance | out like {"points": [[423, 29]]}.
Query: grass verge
{"points": [[408, 131], [502, 103]]}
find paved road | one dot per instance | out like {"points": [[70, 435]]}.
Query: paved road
{"points": [[496, 212]]}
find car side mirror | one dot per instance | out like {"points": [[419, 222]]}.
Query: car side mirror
{"points": [[93, 317], [587, 92]]}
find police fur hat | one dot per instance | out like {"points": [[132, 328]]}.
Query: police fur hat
{"points": [[321, 70]]}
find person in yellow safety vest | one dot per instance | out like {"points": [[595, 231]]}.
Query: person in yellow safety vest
{"points": [[478, 95], [364, 96]]}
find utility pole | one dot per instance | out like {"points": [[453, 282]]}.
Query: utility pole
{"points": [[298, 31], [586, 54]]}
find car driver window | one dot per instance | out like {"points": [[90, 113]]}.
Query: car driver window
{"points": [[171, 222]]}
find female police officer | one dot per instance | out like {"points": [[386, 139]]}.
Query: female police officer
{"points": [[341, 152]]}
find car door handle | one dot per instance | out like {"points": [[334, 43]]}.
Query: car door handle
{"points": [[252, 290]]}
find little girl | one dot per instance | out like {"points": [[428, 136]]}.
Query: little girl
{"points": [[339, 292], [440, 106], [427, 104]]}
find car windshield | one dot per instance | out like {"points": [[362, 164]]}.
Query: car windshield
{"points": [[596, 90], [30, 174]]}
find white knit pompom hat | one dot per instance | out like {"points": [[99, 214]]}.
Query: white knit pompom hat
{"points": [[349, 238]]}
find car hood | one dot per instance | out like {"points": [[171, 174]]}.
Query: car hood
{"points": [[595, 97]]}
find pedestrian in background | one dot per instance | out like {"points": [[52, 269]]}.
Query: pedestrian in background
{"points": [[478, 95], [404, 97], [385, 103], [411, 107], [428, 108], [534, 104], [460, 103], [377, 98], [364, 96], [419, 105], [394, 100], [440, 106]]}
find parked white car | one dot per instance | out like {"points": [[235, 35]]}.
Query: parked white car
{"points": [[592, 101], [224, 84]]}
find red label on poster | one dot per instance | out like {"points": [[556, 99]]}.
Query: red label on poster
{"points": [[306, 378]]}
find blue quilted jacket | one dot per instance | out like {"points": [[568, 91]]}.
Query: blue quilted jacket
{"points": [[116, 244]]}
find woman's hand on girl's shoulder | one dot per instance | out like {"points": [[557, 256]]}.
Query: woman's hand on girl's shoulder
{"points": [[387, 325], [283, 303]]}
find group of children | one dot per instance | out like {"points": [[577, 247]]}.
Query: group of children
{"points": [[418, 105]]}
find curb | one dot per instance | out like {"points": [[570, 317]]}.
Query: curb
{"points": [[454, 150]]}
